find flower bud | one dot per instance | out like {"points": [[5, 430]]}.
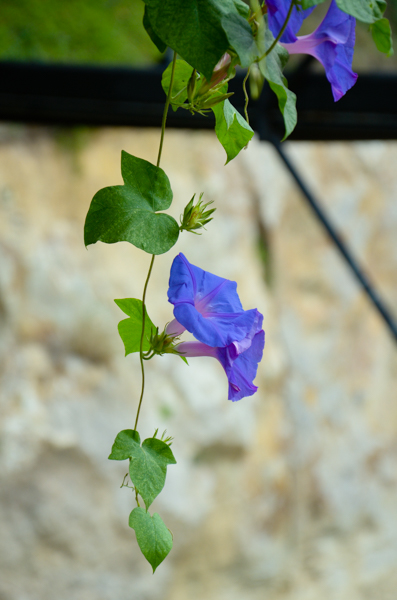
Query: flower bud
{"points": [[196, 216], [164, 343]]}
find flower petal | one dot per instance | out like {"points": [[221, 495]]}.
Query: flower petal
{"points": [[242, 371], [332, 43], [277, 13], [208, 306]]}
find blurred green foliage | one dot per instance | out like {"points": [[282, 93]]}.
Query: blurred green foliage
{"points": [[75, 31]]}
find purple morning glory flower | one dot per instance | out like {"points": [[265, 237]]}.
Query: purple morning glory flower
{"points": [[332, 43], [208, 306], [277, 11], [240, 368]]}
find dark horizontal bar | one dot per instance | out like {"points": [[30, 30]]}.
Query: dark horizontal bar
{"points": [[86, 95]]}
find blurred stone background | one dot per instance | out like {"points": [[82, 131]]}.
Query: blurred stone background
{"points": [[287, 495]]}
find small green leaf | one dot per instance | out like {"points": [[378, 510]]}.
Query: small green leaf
{"points": [[125, 440], [182, 75], [239, 34], [148, 463], [271, 68], [153, 537], [130, 330], [148, 468], [381, 33], [367, 11], [231, 128], [202, 31], [153, 36], [309, 3], [129, 212]]}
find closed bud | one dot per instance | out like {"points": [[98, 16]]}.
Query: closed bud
{"points": [[196, 216]]}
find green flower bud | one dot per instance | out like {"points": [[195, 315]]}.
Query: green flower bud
{"points": [[196, 216]]}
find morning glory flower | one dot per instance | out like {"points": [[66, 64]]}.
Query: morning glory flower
{"points": [[332, 43], [240, 368], [277, 11], [208, 306]]}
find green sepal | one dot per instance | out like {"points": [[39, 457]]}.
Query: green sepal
{"points": [[130, 330], [367, 11], [128, 213], [271, 68], [381, 34], [148, 463], [231, 129], [201, 32], [153, 537], [158, 42]]}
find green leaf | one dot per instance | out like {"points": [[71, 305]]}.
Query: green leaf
{"points": [[121, 449], [242, 8], [381, 33], [239, 34], [153, 36], [153, 537], [130, 330], [128, 213], [201, 31], [231, 128], [367, 11], [271, 68], [148, 463], [309, 3], [182, 75]]}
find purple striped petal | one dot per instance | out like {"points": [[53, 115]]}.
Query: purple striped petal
{"points": [[208, 306]]}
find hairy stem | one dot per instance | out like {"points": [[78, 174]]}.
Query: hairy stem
{"points": [[141, 356]]}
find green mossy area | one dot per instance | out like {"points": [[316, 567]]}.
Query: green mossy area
{"points": [[111, 32], [75, 31]]}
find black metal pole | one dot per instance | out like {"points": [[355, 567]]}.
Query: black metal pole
{"points": [[314, 204]]}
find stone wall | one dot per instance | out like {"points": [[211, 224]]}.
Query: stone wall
{"points": [[288, 495]]}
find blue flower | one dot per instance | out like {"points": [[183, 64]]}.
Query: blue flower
{"points": [[277, 11], [208, 306], [332, 43], [240, 368]]}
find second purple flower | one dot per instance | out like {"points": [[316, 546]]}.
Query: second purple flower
{"points": [[208, 306]]}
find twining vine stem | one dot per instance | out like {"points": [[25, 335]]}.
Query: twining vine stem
{"points": [[141, 357], [246, 95], [280, 33]]}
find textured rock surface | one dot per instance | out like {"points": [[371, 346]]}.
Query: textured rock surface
{"points": [[289, 495]]}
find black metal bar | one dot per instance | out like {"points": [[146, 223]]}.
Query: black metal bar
{"points": [[321, 215], [72, 95]]}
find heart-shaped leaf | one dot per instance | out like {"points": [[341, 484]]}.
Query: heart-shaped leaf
{"points": [[231, 128], [130, 330], [381, 34], [182, 75], [271, 68], [200, 32], [153, 537], [367, 11], [148, 463], [129, 212]]}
